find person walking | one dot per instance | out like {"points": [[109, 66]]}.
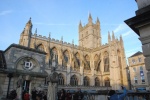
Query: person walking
{"points": [[26, 96], [80, 94], [112, 95], [62, 95], [68, 95]]}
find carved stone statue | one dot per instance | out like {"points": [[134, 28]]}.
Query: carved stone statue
{"points": [[52, 85]]}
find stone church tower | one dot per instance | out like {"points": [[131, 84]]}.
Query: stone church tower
{"points": [[89, 62], [89, 35], [26, 34]]}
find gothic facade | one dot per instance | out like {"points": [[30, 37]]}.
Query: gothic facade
{"points": [[90, 65]]}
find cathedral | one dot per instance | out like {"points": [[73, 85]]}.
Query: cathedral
{"points": [[90, 65]]}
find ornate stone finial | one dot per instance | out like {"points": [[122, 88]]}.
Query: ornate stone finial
{"points": [[36, 31], [61, 38], [80, 24], [113, 36], [98, 22], [49, 39], [109, 38], [90, 18], [121, 40], [49, 35], [72, 41], [29, 20]]}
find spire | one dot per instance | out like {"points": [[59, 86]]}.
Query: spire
{"points": [[113, 36], [35, 39], [80, 26], [29, 22], [49, 39], [109, 38], [36, 31], [97, 22], [90, 18], [28, 27], [121, 40], [62, 38]]}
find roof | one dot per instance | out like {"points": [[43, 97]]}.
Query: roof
{"points": [[25, 48], [142, 17], [136, 54]]}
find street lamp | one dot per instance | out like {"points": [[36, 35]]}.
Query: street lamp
{"points": [[52, 80]]}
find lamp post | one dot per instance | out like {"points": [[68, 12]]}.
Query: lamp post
{"points": [[10, 75]]}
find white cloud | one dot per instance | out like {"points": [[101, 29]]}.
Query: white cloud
{"points": [[127, 33], [120, 28], [39, 23], [5, 12]]}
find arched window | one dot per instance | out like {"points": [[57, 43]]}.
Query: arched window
{"points": [[107, 82], [97, 82], [97, 62], [86, 81], [77, 60], [87, 63], [40, 47], [60, 79], [106, 62], [74, 81], [53, 55], [65, 58]]}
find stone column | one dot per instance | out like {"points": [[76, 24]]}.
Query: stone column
{"points": [[68, 74]]}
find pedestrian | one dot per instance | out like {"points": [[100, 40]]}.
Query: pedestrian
{"points": [[80, 94], [58, 94], [85, 95], [26, 96], [75, 96], [62, 95], [112, 95], [34, 94], [13, 94], [68, 95], [45, 96]]}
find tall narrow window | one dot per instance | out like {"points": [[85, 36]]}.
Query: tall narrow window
{"points": [[135, 80], [97, 82], [140, 59], [60, 79], [107, 82], [106, 62], [133, 61], [134, 69], [143, 79], [141, 68], [86, 81], [74, 80]]}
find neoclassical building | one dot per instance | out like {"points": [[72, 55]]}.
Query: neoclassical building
{"points": [[90, 65], [138, 72]]}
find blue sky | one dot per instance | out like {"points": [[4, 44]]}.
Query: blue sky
{"points": [[61, 18]]}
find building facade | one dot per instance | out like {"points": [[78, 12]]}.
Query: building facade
{"points": [[138, 72], [140, 24], [90, 65]]}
